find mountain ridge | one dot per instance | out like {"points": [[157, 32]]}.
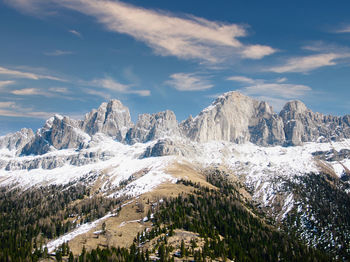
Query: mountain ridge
{"points": [[232, 117], [238, 134]]}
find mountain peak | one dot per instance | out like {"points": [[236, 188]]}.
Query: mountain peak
{"points": [[295, 106]]}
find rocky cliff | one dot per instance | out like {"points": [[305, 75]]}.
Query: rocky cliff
{"points": [[303, 125], [232, 117], [236, 118], [155, 126]]}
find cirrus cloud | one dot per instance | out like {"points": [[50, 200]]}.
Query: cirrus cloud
{"points": [[6, 83], [185, 37], [27, 75], [113, 85], [188, 82], [12, 109], [305, 64]]}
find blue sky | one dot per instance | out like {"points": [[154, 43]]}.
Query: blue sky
{"points": [[69, 56]]}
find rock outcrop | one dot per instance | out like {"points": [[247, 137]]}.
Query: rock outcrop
{"points": [[155, 126], [16, 141], [112, 119], [232, 117], [303, 125], [167, 147], [236, 118], [59, 132]]}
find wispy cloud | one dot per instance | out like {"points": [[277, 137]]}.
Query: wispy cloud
{"points": [[7, 104], [11, 109], [75, 32], [27, 75], [288, 91], [58, 53], [28, 92], [113, 85], [93, 92], [276, 92], [186, 37], [61, 90], [6, 83], [343, 29], [188, 82], [281, 80], [305, 64]]}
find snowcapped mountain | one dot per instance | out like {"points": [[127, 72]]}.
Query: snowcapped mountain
{"points": [[269, 153], [236, 131]]}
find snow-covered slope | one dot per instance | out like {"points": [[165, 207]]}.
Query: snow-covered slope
{"points": [[108, 152], [262, 169]]}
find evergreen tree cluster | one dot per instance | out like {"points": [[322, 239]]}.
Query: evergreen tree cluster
{"points": [[29, 218], [322, 217], [228, 228]]}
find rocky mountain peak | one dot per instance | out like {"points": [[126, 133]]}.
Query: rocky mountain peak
{"points": [[294, 109], [16, 141], [112, 119], [236, 118], [150, 127], [232, 117]]}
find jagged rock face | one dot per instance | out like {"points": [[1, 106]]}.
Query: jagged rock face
{"points": [[58, 132], [236, 118], [18, 140], [303, 125], [232, 117], [112, 119], [150, 127], [167, 147], [53, 161]]}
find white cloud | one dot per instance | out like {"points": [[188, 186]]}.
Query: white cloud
{"points": [[257, 51], [287, 91], [6, 83], [184, 37], [27, 75], [308, 63], [28, 92], [343, 29], [7, 104], [281, 80], [58, 53], [188, 82], [111, 84], [75, 32], [11, 109], [102, 94]]}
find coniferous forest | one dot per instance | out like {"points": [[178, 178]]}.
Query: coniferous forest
{"points": [[229, 227]]}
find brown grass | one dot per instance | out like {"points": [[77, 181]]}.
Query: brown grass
{"points": [[121, 230]]}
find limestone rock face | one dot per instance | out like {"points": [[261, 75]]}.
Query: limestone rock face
{"points": [[17, 141], [167, 147], [303, 125], [59, 132], [232, 117], [236, 118], [112, 119], [151, 127]]}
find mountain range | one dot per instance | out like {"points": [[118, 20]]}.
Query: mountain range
{"points": [[293, 166]]}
